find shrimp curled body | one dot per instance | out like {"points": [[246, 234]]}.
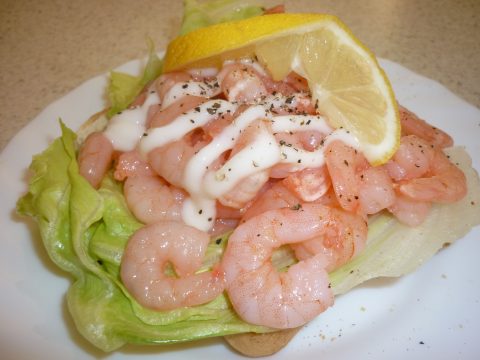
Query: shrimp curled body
{"points": [[95, 157], [148, 252], [260, 294]]}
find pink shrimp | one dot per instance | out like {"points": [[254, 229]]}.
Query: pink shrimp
{"points": [[166, 81], [151, 199], [412, 159], [248, 187], [148, 196], [222, 226], [240, 82], [424, 173], [359, 187], [131, 163], [409, 212], [275, 197], [375, 190], [307, 140], [344, 163], [260, 294], [151, 249], [165, 116], [292, 84], [444, 183], [169, 161], [283, 170], [245, 191], [343, 236], [95, 158], [308, 184], [413, 125]]}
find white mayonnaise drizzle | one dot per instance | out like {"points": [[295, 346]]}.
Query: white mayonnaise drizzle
{"points": [[204, 184], [206, 89], [183, 124], [304, 159], [126, 128]]}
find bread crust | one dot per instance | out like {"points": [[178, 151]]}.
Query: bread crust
{"points": [[258, 345]]}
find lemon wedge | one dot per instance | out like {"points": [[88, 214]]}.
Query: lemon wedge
{"points": [[344, 77]]}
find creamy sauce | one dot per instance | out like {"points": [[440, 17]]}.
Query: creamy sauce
{"points": [[206, 89], [126, 128], [204, 183], [185, 123]]}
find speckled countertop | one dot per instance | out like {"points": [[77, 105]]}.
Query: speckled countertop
{"points": [[49, 47]]}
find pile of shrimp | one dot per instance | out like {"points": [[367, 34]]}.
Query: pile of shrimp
{"points": [[319, 209]]}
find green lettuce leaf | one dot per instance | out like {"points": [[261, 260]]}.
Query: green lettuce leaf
{"points": [[198, 14], [85, 232], [124, 88]]}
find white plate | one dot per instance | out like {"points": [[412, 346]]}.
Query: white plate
{"points": [[433, 313]]}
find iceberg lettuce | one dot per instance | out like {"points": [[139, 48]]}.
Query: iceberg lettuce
{"points": [[124, 88], [198, 14]]}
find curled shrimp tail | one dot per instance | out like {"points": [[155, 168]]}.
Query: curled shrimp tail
{"points": [[258, 292], [95, 158], [343, 236], [344, 163], [413, 125], [409, 212], [145, 260], [296, 295], [446, 184]]}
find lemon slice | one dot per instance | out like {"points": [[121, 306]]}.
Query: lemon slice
{"points": [[346, 82]]}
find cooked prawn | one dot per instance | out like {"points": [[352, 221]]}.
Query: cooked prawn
{"points": [[151, 249], [359, 187], [95, 157], [344, 164], [375, 190], [166, 81], [260, 294], [169, 161], [343, 236], [242, 83], [409, 212], [413, 125], [151, 199], [170, 113], [308, 184], [276, 196], [424, 173], [131, 163], [244, 191], [444, 183], [248, 187], [411, 160]]}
